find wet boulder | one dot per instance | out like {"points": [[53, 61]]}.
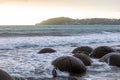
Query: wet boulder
{"points": [[69, 64], [86, 49], [72, 78], [111, 59], [101, 51], [84, 58], [47, 50], [4, 75]]}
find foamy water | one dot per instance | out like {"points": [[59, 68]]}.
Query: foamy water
{"points": [[27, 63], [48, 41], [18, 55]]}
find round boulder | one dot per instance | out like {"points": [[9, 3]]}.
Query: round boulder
{"points": [[112, 59], [47, 50], [4, 75], [69, 64], [101, 51], [86, 49], [84, 58]]}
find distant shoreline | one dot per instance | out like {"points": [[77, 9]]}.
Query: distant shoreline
{"points": [[70, 21]]}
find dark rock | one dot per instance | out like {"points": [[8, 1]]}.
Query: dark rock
{"points": [[20, 78], [45, 78], [69, 64], [71, 78], [47, 50], [55, 78], [86, 49], [101, 51], [106, 57], [84, 58], [4, 75], [54, 73], [112, 59]]}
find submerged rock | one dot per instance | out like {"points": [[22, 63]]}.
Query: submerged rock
{"points": [[69, 64], [71, 78], [112, 59], [55, 78], [47, 50], [84, 58], [86, 49], [101, 51], [4, 75]]}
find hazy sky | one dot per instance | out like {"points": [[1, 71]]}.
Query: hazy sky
{"points": [[27, 12]]}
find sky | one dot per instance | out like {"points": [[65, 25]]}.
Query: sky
{"points": [[29, 12]]}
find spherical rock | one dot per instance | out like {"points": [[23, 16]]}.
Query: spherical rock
{"points": [[101, 51], [86, 49], [69, 64], [47, 50], [112, 59], [4, 75], [84, 58]]}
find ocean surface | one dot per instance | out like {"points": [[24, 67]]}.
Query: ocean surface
{"points": [[19, 46]]}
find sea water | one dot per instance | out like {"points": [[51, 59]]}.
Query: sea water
{"points": [[19, 46]]}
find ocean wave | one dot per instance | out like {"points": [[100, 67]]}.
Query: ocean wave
{"points": [[47, 41]]}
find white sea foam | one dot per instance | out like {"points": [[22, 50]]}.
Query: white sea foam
{"points": [[21, 58], [13, 42], [27, 63], [99, 66]]}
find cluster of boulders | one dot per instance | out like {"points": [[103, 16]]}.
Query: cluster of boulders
{"points": [[81, 58], [76, 64]]}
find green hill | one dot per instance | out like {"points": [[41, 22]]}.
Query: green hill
{"points": [[70, 21]]}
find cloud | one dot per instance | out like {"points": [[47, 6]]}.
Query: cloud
{"points": [[90, 5]]}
